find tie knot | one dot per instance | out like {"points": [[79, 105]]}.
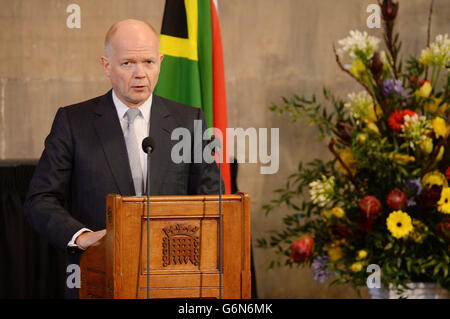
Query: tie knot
{"points": [[131, 114]]}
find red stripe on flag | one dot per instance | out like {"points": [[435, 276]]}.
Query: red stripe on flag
{"points": [[220, 119]]}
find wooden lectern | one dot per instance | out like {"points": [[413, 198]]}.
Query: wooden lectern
{"points": [[184, 249]]}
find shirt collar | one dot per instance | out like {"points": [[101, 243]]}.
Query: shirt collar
{"points": [[121, 108]]}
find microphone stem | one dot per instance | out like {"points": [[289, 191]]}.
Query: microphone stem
{"points": [[220, 224], [148, 224]]}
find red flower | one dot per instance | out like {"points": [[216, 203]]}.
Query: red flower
{"points": [[413, 80], [302, 248], [376, 65], [389, 10], [396, 199], [370, 205], [447, 173], [396, 120], [408, 112]]}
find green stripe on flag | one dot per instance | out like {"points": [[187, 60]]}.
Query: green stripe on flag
{"points": [[179, 80]]}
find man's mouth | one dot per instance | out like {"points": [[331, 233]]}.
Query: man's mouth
{"points": [[139, 87]]}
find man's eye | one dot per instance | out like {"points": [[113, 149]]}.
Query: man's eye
{"points": [[149, 62], [126, 63]]}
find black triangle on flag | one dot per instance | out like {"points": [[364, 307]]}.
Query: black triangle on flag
{"points": [[175, 19]]}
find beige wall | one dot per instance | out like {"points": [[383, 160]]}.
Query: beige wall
{"points": [[271, 47]]}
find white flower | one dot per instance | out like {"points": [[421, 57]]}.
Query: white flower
{"points": [[358, 45], [414, 129], [322, 190], [438, 53], [361, 106]]}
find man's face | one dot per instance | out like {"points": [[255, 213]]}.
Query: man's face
{"points": [[133, 64]]}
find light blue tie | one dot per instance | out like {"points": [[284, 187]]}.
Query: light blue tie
{"points": [[133, 151]]}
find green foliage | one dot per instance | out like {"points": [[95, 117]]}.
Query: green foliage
{"points": [[315, 113]]}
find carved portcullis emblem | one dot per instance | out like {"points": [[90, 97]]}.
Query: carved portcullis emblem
{"points": [[180, 245]]}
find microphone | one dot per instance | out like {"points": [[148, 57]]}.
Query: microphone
{"points": [[217, 145], [148, 145]]}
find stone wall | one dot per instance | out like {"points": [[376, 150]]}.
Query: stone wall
{"points": [[271, 49]]}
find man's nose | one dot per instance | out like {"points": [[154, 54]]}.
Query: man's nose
{"points": [[139, 71]]}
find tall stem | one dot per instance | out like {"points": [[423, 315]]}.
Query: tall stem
{"points": [[429, 32]]}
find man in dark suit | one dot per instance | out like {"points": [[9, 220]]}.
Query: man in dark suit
{"points": [[87, 153]]}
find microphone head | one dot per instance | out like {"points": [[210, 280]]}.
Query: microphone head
{"points": [[147, 143]]}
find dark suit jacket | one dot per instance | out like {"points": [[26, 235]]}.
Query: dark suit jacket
{"points": [[85, 159]]}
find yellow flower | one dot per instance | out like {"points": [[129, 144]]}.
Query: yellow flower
{"points": [[326, 214], [444, 202], [432, 107], [402, 158], [399, 224], [416, 237], [374, 113], [347, 157], [427, 145], [362, 138], [434, 178], [426, 57], [416, 234], [335, 253], [425, 90], [439, 126], [356, 267], [417, 223], [338, 212], [373, 127], [443, 108], [357, 68], [361, 254]]}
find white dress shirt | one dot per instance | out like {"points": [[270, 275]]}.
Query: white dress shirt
{"points": [[141, 126], [142, 130]]}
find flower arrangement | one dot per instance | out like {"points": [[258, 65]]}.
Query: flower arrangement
{"points": [[384, 196]]}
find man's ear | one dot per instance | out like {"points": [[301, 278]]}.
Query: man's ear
{"points": [[106, 65]]}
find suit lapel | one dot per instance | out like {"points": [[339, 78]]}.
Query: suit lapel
{"points": [[111, 137], [162, 124]]}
